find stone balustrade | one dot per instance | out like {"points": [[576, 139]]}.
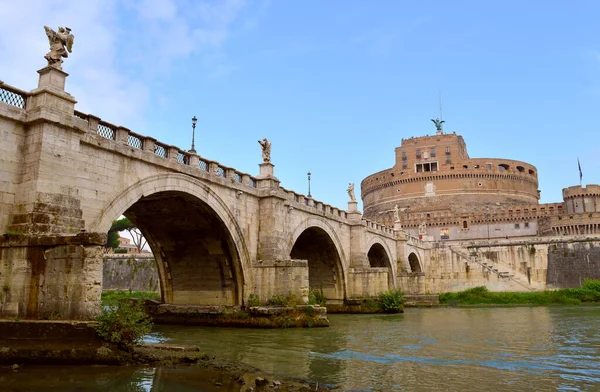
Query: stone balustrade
{"points": [[122, 135], [298, 199], [378, 227]]}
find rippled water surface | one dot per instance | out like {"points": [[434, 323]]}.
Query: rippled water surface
{"points": [[501, 349]]}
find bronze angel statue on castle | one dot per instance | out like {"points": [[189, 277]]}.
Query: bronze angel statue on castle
{"points": [[61, 44]]}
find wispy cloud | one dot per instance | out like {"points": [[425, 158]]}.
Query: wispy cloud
{"points": [[120, 47]]}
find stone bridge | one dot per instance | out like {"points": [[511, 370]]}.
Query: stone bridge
{"points": [[218, 234]]}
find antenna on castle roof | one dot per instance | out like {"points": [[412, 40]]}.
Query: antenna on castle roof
{"points": [[440, 98], [439, 121]]}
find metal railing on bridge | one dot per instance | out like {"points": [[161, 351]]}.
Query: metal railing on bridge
{"points": [[13, 96]]}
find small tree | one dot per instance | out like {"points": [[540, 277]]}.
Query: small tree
{"points": [[124, 224], [125, 325]]}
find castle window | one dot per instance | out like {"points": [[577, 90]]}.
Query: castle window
{"points": [[451, 167], [465, 225], [404, 165], [517, 226], [447, 150], [465, 167], [531, 172], [520, 169], [426, 167], [476, 167], [448, 160], [404, 156], [526, 225], [433, 152], [503, 167], [418, 153], [489, 166]]}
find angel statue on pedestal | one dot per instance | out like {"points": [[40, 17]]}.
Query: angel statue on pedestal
{"points": [[61, 44], [266, 149]]}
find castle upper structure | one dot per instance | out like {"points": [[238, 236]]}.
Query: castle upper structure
{"points": [[435, 189]]}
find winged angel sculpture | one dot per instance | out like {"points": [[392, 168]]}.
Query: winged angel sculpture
{"points": [[61, 44], [438, 123]]}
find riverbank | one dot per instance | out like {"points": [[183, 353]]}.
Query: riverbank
{"points": [[589, 293], [32, 343]]}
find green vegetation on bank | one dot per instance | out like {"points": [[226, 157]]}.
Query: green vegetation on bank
{"points": [[589, 292], [124, 324], [112, 297]]}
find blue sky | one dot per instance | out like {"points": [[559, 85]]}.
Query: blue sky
{"points": [[335, 85]]}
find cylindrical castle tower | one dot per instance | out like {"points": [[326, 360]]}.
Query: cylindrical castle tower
{"points": [[579, 200], [434, 174]]}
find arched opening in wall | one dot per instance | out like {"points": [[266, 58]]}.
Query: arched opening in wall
{"points": [[378, 258], [324, 271], [197, 260], [465, 224], [521, 169], [503, 167], [413, 262]]}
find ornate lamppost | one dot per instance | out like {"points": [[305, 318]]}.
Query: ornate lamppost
{"points": [[194, 121], [308, 184]]}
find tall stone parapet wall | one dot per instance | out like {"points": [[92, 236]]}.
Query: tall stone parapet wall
{"points": [[130, 272], [569, 264]]}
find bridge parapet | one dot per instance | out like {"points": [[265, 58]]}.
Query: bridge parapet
{"points": [[13, 96], [416, 242], [123, 136], [379, 228], [298, 200]]}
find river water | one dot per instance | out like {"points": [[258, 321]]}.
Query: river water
{"points": [[442, 349]]}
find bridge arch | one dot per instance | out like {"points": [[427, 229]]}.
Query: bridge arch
{"points": [[315, 240], [199, 248], [380, 256], [414, 262]]}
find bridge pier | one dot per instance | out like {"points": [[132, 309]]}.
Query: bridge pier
{"points": [[51, 277], [51, 269]]}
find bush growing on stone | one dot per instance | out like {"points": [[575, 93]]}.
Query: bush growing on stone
{"points": [[392, 301], [125, 324], [281, 300], [253, 300], [317, 297]]}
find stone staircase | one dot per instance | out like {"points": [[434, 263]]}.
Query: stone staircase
{"points": [[493, 268]]}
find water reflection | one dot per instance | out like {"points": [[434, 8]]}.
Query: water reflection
{"points": [[536, 348], [543, 348]]}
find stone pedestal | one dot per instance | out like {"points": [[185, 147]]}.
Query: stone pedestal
{"points": [[352, 206], [52, 77], [266, 178], [397, 226], [266, 170]]}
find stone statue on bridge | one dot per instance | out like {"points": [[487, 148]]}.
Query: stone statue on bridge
{"points": [[350, 191], [266, 149], [396, 213], [61, 44]]}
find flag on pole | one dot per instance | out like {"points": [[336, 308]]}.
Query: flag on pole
{"points": [[580, 173]]}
